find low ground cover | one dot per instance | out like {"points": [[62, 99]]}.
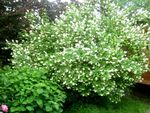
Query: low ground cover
{"points": [[127, 105]]}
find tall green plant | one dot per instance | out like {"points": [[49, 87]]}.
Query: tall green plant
{"points": [[87, 51]]}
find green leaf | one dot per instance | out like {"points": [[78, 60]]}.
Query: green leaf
{"points": [[40, 91], [17, 109], [56, 106], [13, 109], [15, 103], [30, 108], [48, 108], [39, 102], [28, 100]]}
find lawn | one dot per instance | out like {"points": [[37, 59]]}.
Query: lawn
{"points": [[127, 105]]}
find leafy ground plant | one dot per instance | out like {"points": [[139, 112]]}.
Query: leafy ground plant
{"points": [[29, 90]]}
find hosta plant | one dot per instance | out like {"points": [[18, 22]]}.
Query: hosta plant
{"points": [[86, 50]]}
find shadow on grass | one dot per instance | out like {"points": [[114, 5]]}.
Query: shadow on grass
{"points": [[129, 104]]}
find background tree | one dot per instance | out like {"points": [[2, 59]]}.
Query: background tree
{"points": [[12, 19]]}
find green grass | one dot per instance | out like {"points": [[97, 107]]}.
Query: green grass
{"points": [[127, 105]]}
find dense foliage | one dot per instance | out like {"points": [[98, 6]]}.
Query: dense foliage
{"points": [[86, 50], [12, 20], [29, 90]]}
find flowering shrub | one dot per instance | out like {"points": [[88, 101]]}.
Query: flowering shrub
{"points": [[29, 90], [86, 50]]}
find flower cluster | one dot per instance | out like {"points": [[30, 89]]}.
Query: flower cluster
{"points": [[4, 108]]}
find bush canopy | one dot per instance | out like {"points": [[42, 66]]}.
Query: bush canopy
{"points": [[87, 50]]}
